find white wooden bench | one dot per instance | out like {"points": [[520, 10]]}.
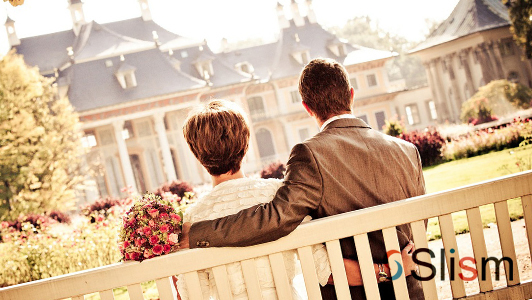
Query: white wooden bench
{"points": [[328, 231]]}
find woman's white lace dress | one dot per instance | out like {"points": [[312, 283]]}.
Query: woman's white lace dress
{"points": [[229, 198]]}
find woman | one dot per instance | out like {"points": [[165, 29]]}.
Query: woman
{"points": [[218, 135]]}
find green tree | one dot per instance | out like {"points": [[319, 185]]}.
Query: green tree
{"points": [[497, 98], [520, 12], [39, 142]]}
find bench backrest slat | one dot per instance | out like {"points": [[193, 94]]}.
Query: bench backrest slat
{"points": [[338, 270], [420, 240], [507, 242], [452, 256], [478, 242], [391, 243], [365, 260]]}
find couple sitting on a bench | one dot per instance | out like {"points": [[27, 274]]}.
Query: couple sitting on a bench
{"points": [[345, 167]]}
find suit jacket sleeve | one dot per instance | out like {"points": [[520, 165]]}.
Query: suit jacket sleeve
{"points": [[300, 193]]}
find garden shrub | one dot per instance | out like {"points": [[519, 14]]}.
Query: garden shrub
{"points": [[394, 127], [497, 98], [176, 187], [429, 143], [59, 216], [38, 221], [273, 170]]}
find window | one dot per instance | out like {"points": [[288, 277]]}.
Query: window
{"points": [[265, 143], [363, 118], [303, 134], [380, 116], [433, 113], [130, 79], [341, 50], [354, 83], [372, 80], [296, 97], [412, 114], [89, 140], [256, 106], [506, 48], [184, 54], [513, 76]]}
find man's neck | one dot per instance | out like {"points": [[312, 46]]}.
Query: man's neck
{"points": [[321, 122], [216, 180]]}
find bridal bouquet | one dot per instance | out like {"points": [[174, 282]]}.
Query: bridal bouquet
{"points": [[150, 228]]}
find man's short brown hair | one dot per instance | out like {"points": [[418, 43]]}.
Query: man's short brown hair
{"points": [[218, 135], [324, 87]]}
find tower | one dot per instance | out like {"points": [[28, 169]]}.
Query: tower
{"points": [[76, 12], [11, 33]]}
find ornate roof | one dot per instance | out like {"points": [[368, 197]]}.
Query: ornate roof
{"points": [[468, 17]]}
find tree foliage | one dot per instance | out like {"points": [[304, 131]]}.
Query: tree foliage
{"points": [[359, 31], [39, 142], [520, 12], [497, 98]]}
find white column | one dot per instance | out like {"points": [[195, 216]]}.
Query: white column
{"points": [[165, 147], [124, 155]]}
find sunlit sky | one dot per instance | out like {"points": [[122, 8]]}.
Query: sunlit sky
{"points": [[232, 19]]}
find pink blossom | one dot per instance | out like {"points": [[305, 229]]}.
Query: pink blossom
{"points": [[126, 244], [127, 256], [164, 216], [138, 242], [173, 238], [147, 253], [134, 256], [164, 228], [158, 249], [154, 239], [167, 248], [175, 217], [153, 212], [151, 223], [146, 230]]}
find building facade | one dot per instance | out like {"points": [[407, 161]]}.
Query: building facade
{"points": [[472, 47], [133, 83]]}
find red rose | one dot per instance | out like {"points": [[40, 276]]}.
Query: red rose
{"points": [[164, 228], [126, 244], [167, 248], [134, 256], [146, 230], [158, 249], [175, 217], [153, 212], [154, 239], [164, 216]]}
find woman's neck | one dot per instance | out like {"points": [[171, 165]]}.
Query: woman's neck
{"points": [[216, 180]]}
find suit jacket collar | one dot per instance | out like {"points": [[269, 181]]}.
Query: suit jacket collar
{"points": [[342, 123]]}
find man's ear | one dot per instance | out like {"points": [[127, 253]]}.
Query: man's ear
{"points": [[310, 112]]}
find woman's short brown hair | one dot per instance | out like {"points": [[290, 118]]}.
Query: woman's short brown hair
{"points": [[325, 88], [218, 135]]}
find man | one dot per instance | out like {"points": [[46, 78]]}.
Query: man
{"points": [[346, 167]]}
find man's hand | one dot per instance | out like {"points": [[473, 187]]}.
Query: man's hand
{"points": [[183, 241], [408, 262]]}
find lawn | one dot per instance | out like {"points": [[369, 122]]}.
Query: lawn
{"points": [[472, 170]]}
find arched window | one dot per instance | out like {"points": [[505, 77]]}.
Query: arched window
{"points": [[265, 142]]}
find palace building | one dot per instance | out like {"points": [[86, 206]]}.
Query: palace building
{"points": [[133, 83], [472, 47]]}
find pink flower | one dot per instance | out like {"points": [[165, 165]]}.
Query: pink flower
{"points": [[164, 228], [173, 238], [154, 239], [140, 231], [146, 230], [134, 256], [175, 217], [167, 248], [153, 212], [127, 256], [147, 253], [164, 216], [158, 249], [152, 223], [126, 244]]}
